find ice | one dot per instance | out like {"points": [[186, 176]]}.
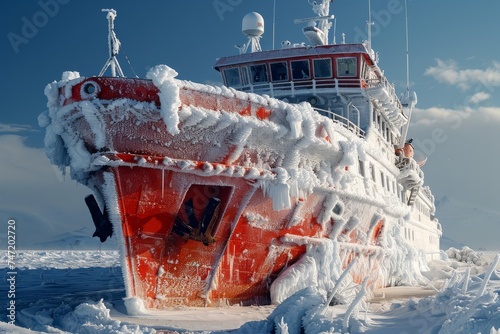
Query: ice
{"points": [[163, 78], [135, 306], [457, 308], [279, 190]]}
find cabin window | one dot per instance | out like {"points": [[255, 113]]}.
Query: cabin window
{"points": [[279, 71], [232, 76], [322, 68], [347, 67], [300, 69], [372, 171], [244, 76], [361, 168], [258, 73]]}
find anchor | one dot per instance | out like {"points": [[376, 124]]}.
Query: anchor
{"points": [[103, 227], [198, 230]]}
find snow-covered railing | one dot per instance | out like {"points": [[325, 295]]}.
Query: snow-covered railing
{"points": [[382, 82], [345, 122], [305, 87]]}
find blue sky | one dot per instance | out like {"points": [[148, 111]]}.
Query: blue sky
{"points": [[455, 70]]}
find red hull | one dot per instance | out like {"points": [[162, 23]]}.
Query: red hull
{"points": [[169, 270]]}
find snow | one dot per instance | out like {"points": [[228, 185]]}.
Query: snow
{"points": [[163, 78], [53, 296]]}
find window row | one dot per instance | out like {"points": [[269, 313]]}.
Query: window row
{"points": [[383, 127], [289, 70], [409, 234], [421, 207], [386, 182]]}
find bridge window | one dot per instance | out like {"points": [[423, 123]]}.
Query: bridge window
{"points": [[244, 76], [322, 68], [232, 76], [347, 67], [259, 73], [300, 69], [279, 71]]}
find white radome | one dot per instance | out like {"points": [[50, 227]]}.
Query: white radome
{"points": [[253, 24]]}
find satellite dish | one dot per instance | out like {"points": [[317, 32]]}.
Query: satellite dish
{"points": [[253, 25]]}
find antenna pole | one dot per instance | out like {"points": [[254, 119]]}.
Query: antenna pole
{"points": [[369, 26], [114, 46], [407, 100], [407, 53], [274, 21]]}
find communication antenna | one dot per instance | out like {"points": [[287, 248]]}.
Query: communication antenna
{"points": [[408, 100], [252, 26], [407, 53], [369, 23], [113, 44], [274, 21]]}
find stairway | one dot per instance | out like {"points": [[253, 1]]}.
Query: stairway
{"points": [[413, 195]]}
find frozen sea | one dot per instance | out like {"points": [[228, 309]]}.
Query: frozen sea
{"points": [[83, 292]]}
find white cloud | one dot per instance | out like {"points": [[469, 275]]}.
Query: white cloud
{"points": [[453, 118], [13, 128], [448, 72], [439, 116], [479, 97]]}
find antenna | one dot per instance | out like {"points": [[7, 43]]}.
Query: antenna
{"points": [[335, 31], [274, 21], [252, 26], [113, 44], [317, 33], [369, 23], [407, 54], [408, 100]]}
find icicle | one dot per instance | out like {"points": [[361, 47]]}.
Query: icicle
{"points": [[487, 275], [340, 280], [465, 281], [162, 183], [280, 190], [350, 309]]}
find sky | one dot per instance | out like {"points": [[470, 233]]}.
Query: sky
{"points": [[454, 68]]}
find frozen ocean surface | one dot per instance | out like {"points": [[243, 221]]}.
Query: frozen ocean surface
{"points": [[83, 292]]}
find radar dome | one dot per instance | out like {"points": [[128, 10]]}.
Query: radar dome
{"points": [[253, 24]]}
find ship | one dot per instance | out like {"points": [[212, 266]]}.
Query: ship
{"points": [[219, 194]]}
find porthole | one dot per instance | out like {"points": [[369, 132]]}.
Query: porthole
{"points": [[89, 90]]}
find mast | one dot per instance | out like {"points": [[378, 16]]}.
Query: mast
{"points": [[113, 45], [369, 24], [274, 21], [408, 100], [317, 33], [407, 54]]}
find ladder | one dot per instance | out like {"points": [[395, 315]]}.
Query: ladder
{"points": [[413, 195]]}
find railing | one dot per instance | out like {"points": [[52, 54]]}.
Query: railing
{"points": [[306, 87], [383, 82], [344, 122]]}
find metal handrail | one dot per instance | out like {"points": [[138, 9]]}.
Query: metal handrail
{"points": [[343, 121]]}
